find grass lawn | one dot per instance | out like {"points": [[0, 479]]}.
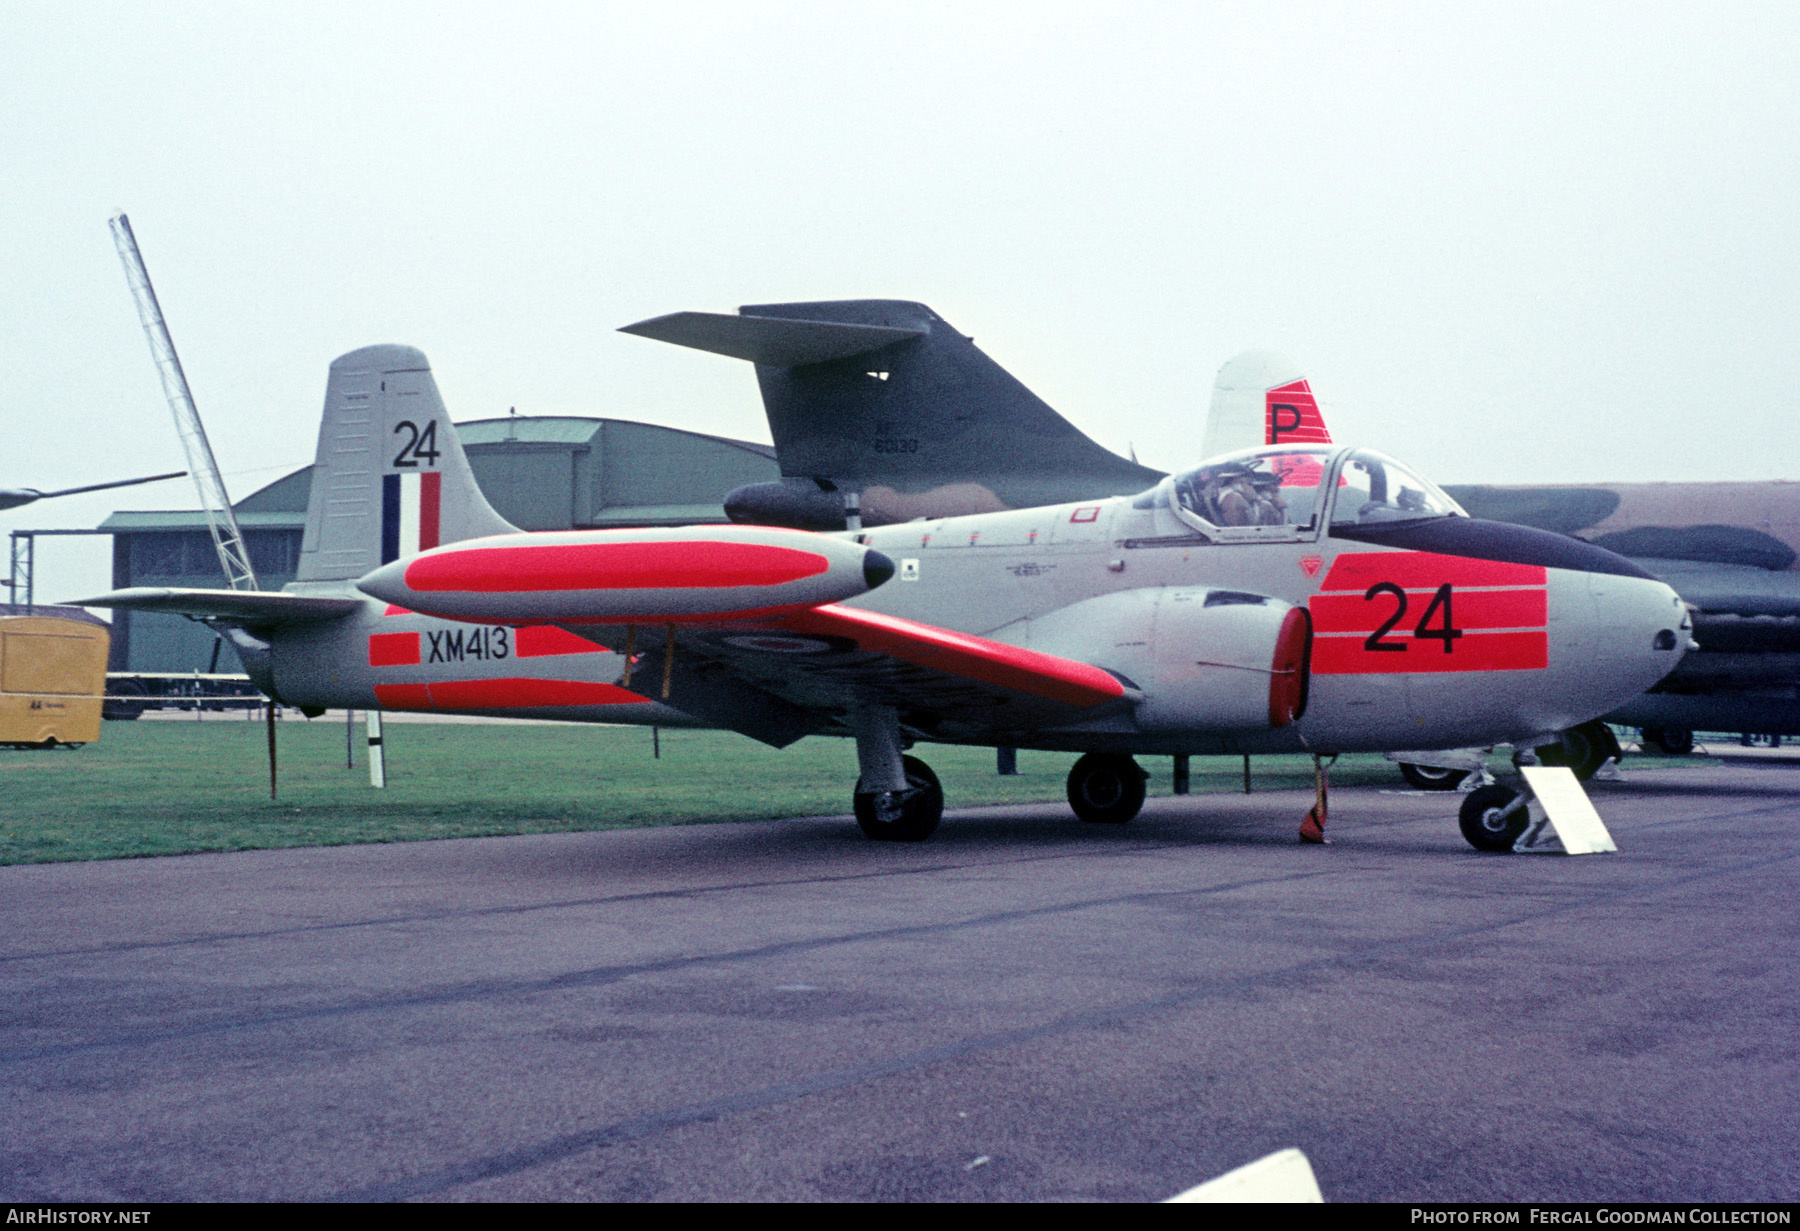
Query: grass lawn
{"points": [[171, 787]]}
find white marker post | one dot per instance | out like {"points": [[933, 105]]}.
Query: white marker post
{"points": [[377, 755]]}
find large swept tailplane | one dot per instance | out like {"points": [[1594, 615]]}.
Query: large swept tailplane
{"points": [[1261, 398], [884, 398], [390, 478]]}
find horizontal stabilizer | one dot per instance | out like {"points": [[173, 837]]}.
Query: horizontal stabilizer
{"points": [[248, 607], [773, 341]]}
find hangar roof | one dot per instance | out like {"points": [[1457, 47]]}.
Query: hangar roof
{"points": [[547, 472]]}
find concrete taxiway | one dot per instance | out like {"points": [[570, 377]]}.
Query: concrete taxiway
{"points": [[1024, 1008]]}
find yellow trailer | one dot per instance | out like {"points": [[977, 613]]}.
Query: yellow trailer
{"points": [[52, 677]]}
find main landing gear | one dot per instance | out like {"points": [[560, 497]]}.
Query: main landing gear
{"points": [[910, 815], [1432, 777], [1670, 741], [1106, 788], [898, 798]]}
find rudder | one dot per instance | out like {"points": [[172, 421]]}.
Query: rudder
{"points": [[1261, 398], [390, 477]]}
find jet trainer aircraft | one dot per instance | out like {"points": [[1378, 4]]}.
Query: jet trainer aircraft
{"points": [[1299, 598], [885, 398]]}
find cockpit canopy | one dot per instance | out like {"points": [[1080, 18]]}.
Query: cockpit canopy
{"points": [[1286, 486]]}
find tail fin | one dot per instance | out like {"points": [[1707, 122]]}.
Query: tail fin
{"points": [[1260, 398], [884, 397], [390, 478]]}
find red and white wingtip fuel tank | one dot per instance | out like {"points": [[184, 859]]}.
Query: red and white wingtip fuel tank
{"points": [[679, 575]]}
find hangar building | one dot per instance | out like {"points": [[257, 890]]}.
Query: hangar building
{"points": [[540, 473]]}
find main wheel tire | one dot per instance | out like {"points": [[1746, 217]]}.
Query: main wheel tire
{"points": [[1583, 749], [1106, 788], [1483, 822], [920, 811], [126, 703], [1671, 741], [1431, 777]]}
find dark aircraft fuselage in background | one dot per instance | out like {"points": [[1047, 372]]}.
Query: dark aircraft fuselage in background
{"points": [[1731, 550]]}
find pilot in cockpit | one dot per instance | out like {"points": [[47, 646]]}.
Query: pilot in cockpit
{"points": [[1242, 497]]}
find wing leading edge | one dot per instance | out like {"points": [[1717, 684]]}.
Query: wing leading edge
{"points": [[776, 680]]}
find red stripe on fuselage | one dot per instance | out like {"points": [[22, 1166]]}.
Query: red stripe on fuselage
{"points": [[693, 564], [1426, 570], [502, 694], [541, 640], [1444, 618], [1353, 613], [1350, 655], [393, 649], [402, 697]]}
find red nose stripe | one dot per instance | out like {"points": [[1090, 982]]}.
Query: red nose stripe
{"points": [[612, 566], [1426, 570], [1519, 651], [1352, 613]]}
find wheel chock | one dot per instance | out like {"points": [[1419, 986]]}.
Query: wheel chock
{"points": [[1284, 1177], [1566, 812]]}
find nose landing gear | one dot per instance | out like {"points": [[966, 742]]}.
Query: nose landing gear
{"points": [[1493, 817]]}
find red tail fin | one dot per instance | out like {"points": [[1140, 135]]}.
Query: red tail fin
{"points": [[1293, 416]]}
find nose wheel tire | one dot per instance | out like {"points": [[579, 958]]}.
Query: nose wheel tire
{"points": [[1106, 788], [1583, 749], [1432, 778], [1489, 820], [1671, 741], [911, 815]]}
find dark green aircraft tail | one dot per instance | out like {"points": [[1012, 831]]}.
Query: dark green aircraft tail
{"points": [[882, 401]]}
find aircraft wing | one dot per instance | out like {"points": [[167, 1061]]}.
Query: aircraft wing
{"points": [[244, 607], [1729, 589], [802, 672]]}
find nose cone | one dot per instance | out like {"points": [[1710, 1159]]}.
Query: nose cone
{"points": [[877, 568], [387, 583], [1642, 629]]}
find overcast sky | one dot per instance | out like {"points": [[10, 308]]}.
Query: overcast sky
{"points": [[1508, 243]]}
